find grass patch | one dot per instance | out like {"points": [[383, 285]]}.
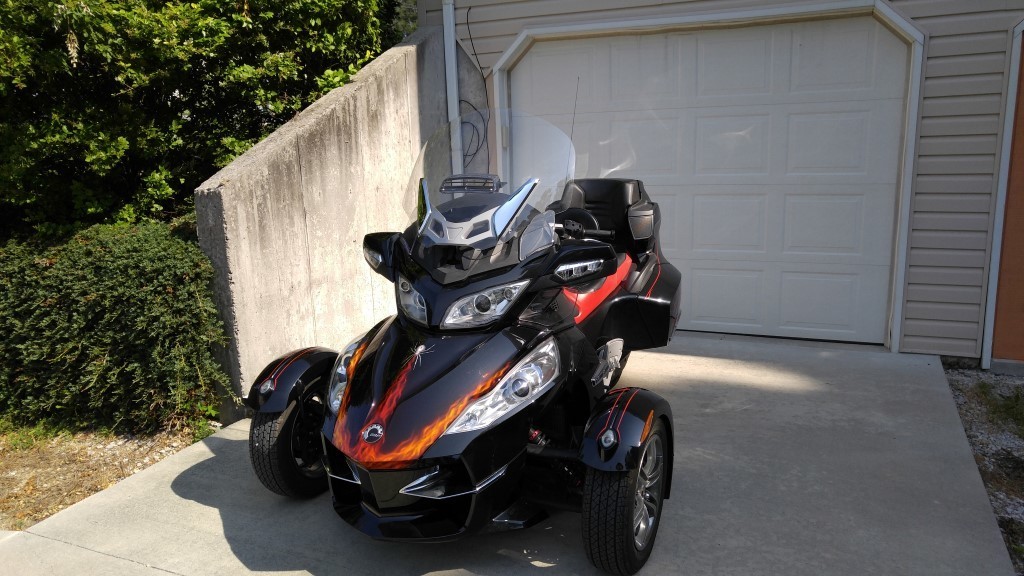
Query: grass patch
{"points": [[201, 429], [1008, 409], [1013, 534], [15, 437]]}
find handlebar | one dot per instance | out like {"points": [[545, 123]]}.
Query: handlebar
{"points": [[599, 234], [576, 230]]}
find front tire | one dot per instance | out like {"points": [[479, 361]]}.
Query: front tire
{"points": [[286, 451], [622, 510]]}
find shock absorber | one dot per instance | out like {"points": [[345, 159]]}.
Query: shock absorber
{"points": [[537, 437]]}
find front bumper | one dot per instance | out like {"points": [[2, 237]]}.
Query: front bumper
{"points": [[433, 500]]}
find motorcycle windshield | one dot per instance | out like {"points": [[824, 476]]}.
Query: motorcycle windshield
{"points": [[476, 212]]}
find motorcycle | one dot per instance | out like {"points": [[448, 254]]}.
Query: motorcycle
{"points": [[490, 397]]}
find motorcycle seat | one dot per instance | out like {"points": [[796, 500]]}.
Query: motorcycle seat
{"points": [[608, 200]]}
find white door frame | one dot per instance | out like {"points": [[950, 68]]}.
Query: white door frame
{"points": [[880, 9]]}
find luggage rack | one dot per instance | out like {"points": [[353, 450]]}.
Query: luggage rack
{"points": [[471, 183]]}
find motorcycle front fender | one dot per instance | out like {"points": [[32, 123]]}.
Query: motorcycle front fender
{"points": [[630, 414], [285, 378]]}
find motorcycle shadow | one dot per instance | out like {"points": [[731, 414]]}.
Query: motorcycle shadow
{"points": [[267, 532]]}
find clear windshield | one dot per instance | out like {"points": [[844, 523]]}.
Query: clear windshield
{"points": [[487, 209]]}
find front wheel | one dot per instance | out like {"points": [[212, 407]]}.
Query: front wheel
{"points": [[622, 510], [285, 448]]}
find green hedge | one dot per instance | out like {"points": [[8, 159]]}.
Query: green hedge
{"points": [[112, 329]]}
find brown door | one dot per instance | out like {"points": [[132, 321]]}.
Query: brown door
{"points": [[1008, 334]]}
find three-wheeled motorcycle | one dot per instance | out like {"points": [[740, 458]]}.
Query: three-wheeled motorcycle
{"points": [[490, 397]]}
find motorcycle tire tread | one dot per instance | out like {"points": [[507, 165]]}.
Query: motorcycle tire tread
{"points": [[607, 521], [271, 459]]}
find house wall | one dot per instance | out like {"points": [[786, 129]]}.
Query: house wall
{"points": [[961, 109], [954, 191], [284, 223]]}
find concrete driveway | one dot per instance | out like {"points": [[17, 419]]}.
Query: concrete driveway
{"points": [[790, 459]]}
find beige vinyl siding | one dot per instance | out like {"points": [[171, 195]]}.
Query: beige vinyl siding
{"points": [[954, 185], [961, 108]]}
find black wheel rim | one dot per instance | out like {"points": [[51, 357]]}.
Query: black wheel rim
{"points": [[647, 499], [307, 448]]}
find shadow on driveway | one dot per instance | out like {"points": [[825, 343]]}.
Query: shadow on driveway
{"points": [[267, 532]]}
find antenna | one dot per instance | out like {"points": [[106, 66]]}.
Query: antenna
{"points": [[572, 128]]}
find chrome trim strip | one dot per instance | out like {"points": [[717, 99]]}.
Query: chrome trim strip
{"points": [[349, 480], [490, 479], [420, 483], [479, 487]]}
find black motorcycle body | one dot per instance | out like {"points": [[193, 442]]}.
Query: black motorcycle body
{"points": [[489, 397]]}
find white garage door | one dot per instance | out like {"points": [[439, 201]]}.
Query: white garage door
{"points": [[773, 151]]}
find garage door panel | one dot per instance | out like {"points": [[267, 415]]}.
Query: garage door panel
{"points": [[828, 302], [819, 301], [772, 150], [820, 224], [646, 144], [585, 130], [783, 299], [721, 68], [842, 224], [850, 141], [855, 57], [825, 143], [735, 62], [744, 218], [547, 75], [636, 71], [833, 56], [824, 224], [732, 144], [847, 137], [725, 299]]}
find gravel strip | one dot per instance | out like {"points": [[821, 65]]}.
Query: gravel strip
{"points": [[996, 439]]}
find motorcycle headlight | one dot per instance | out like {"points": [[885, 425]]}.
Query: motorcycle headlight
{"points": [[339, 374], [484, 307], [527, 381], [411, 301]]}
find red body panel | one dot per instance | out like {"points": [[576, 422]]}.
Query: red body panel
{"points": [[587, 302]]}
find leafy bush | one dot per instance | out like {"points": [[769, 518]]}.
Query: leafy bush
{"points": [[113, 329], [118, 109]]}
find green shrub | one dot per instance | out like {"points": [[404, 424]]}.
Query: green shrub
{"points": [[118, 109], [112, 329]]}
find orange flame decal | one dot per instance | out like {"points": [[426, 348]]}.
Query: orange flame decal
{"points": [[378, 456], [413, 448]]}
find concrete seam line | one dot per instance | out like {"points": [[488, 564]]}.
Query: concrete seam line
{"points": [[107, 554], [305, 232]]}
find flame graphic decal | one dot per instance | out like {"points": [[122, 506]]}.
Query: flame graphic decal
{"points": [[391, 455]]}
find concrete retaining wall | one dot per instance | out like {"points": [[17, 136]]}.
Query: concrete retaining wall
{"points": [[284, 223]]}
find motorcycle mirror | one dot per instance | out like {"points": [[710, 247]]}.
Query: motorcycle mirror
{"points": [[378, 249]]}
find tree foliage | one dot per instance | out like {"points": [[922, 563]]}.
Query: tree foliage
{"points": [[120, 108]]}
